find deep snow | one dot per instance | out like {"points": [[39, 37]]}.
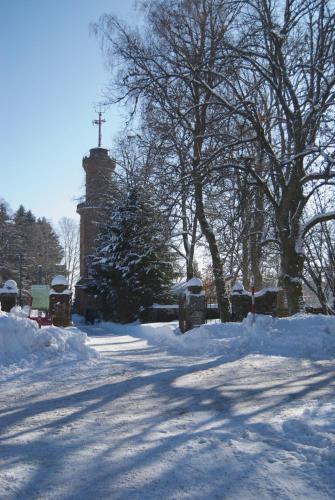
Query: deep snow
{"points": [[23, 343], [236, 411]]}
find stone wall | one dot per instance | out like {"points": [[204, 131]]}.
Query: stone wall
{"points": [[265, 303], [159, 314]]}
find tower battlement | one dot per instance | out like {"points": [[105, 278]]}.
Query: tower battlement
{"points": [[100, 153]]}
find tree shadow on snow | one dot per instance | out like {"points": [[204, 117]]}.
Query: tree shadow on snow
{"points": [[155, 434]]}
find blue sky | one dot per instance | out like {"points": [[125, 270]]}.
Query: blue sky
{"points": [[52, 73]]}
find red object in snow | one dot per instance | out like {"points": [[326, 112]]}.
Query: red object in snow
{"points": [[41, 320]]}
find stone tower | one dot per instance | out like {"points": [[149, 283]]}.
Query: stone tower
{"points": [[98, 166]]}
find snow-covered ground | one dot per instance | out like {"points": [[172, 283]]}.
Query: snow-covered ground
{"points": [[225, 411]]}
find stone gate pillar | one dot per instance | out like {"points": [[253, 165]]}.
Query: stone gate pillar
{"points": [[8, 295], [60, 302], [192, 306]]}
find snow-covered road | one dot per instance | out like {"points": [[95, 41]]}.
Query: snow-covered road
{"points": [[140, 423]]}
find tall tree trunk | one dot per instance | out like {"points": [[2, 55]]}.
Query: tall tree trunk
{"points": [[245, 261], [190, 256], [220, 286], [256, 238], [198, 137], [189, 246], [292, 258], [244, 205], [292, 264]]}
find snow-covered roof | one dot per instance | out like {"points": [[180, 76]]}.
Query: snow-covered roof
{"points": [[178, 288], [266, 290], [239, 291], [238, 287], [59, 280]]}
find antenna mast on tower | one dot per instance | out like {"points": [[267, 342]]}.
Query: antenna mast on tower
{"points": [[99, 122]]}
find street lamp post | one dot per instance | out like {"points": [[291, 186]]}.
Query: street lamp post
{"points": [[39, 274]]}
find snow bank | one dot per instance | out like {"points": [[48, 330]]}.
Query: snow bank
{"points": [[301, 336], [21, 341]]}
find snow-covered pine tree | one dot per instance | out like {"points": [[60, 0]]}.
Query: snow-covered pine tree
{"points": [[133, 265]]}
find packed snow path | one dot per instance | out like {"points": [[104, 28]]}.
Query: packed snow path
{"points": [[139, 423]]}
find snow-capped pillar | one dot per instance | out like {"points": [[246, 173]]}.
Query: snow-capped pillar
{"points": [[192, 306], [60, 302], [240, 302], [8, 296]]}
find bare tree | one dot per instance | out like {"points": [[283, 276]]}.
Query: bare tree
{"points": [[7, 237], [281, 83], [171, 176], [319, 273], [153, 68], [68, 231], [251, 85]]}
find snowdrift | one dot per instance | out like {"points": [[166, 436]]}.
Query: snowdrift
{"points": [[301, 336], [21, 341]]}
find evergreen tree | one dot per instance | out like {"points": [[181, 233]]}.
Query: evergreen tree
{"points": [[33, 239], [23, 243], [6, 237], [133, 266]]}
